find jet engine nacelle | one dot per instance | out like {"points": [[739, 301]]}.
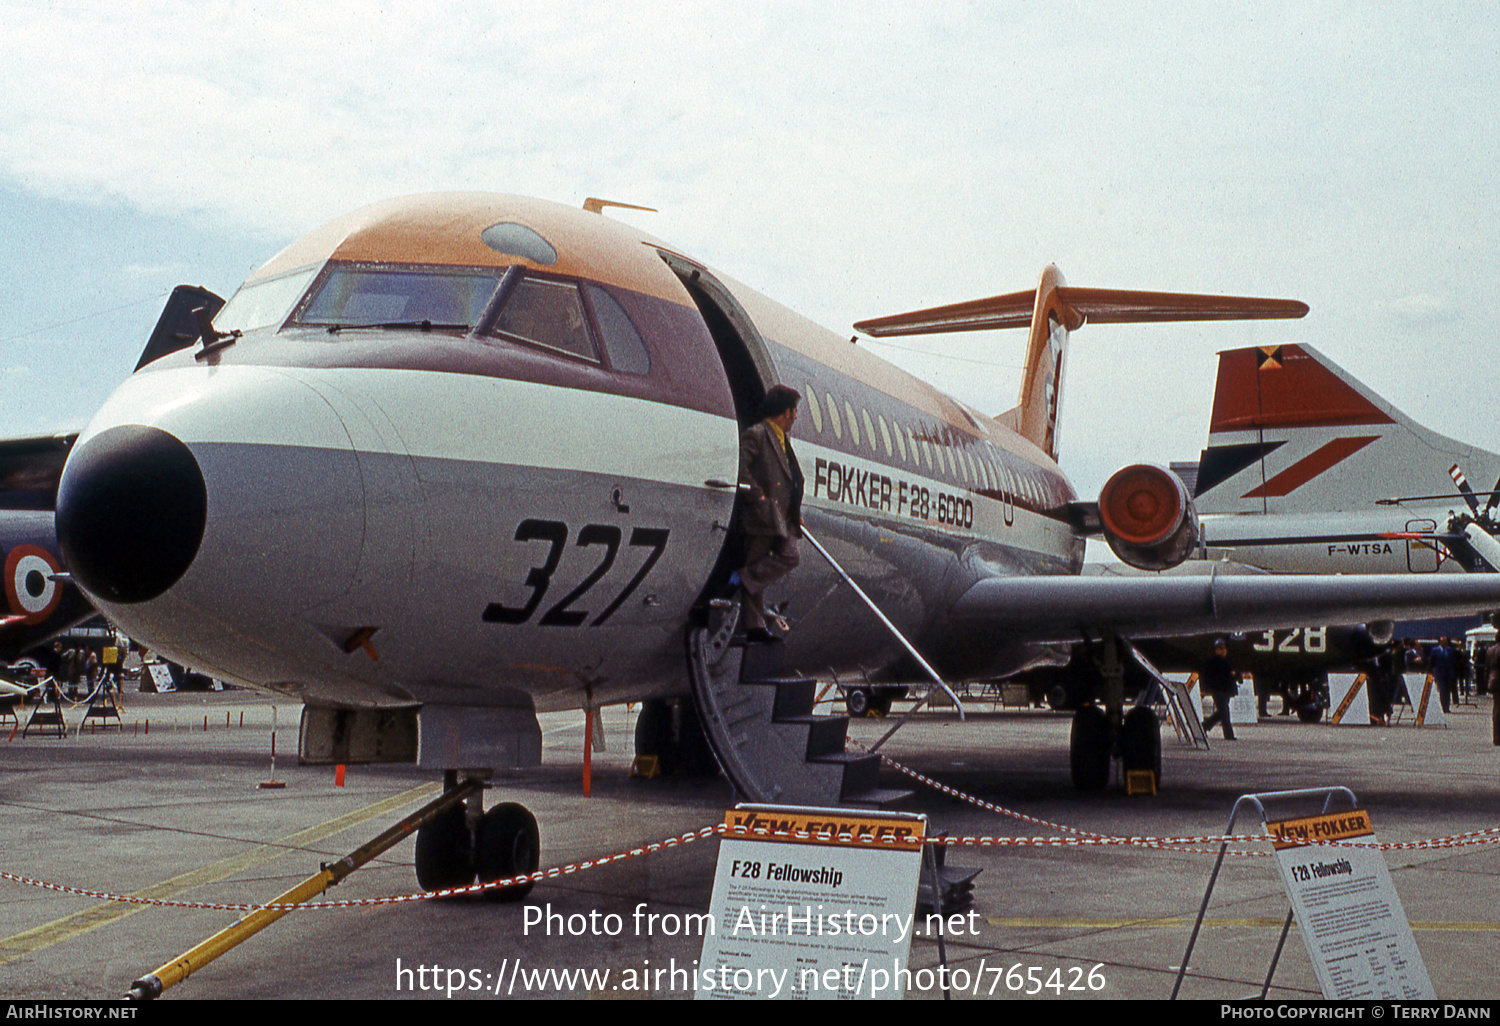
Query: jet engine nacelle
{"points": [[1148, 517]]}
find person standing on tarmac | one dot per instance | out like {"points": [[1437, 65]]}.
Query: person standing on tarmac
{"points": [[1221, 683], [771, 517], [1440, 663], [1492, 668]]}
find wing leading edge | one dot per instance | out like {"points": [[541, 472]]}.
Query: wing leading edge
{"points": [[1078, 608]]}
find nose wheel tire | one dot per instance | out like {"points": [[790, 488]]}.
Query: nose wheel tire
{"points": [[507, 844], [444, 852]]}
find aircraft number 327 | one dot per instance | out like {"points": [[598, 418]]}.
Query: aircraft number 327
{"points": [[539, 579]]}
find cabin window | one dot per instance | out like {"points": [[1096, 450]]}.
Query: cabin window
{"points": [[869, 429], [547, 314], [853, 422], [901, 440], [622, 342], [356, 296], [814, 408], [833, 415], [885, 436]]}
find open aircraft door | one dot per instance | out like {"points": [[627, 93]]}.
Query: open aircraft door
{"points": [[747, 365]]}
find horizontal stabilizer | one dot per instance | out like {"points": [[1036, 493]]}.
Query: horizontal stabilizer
{"points": [[1081, 306]]}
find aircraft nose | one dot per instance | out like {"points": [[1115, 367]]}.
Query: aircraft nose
{"points": [[131, 511]]}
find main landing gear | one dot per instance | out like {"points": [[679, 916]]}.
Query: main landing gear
{"points": [[1100, 735], [464, 842], [1136, 742]]}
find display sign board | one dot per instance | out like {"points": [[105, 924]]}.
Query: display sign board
{"points": [[1428, 702], [1352, 922], [822, 907], [161, 676], [1349, 694]]}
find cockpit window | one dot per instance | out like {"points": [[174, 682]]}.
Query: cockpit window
{"points": [[622, 341], [355, 296], [263, 303], [549, 314]]}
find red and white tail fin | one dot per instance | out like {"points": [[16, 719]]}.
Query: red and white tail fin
{"points": [[1292, 432], [1053, 310]]}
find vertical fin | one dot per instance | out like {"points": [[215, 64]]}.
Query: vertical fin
{"points": [[1046, 353], [1293, 433]]}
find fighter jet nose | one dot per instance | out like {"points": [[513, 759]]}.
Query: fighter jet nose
{"points": [[131, 510]]}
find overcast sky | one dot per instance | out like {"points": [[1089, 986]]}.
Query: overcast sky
{"points": [[849, 160]]}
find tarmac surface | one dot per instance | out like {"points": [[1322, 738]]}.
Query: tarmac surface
{"points": [[174, 812]]}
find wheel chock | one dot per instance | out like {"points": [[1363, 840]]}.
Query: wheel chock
{"points": [[648, 766]]}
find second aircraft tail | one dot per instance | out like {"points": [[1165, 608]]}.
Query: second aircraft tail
{"points": [[1292, 432]]}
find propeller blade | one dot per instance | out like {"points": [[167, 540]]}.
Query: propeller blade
{"points": [[1464, 489], [1494, 498]]}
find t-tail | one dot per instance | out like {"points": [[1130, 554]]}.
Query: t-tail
{"points": [[1051, 311], [1293, 433]]}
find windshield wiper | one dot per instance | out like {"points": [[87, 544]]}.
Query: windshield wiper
{"points": [[334, 329]]}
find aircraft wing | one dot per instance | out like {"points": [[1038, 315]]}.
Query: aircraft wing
{"points": [[1076, 608]]}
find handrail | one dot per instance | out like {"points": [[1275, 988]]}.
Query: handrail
{"points": [[927, 667]]}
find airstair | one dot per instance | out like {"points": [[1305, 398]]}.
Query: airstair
{"points": [[760, 724]]}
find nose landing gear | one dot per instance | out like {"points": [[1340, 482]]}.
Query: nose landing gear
{"points": [[464, 842]]}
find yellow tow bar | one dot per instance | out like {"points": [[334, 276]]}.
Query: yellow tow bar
{"points": [[150, 987]]}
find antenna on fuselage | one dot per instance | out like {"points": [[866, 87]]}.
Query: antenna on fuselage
{"points": [[594, 205]]}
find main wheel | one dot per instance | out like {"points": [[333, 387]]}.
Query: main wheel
{"points": [[857, 702], [444, 855], [695, 757], [1140, 741], [508, 844], [1089, 749], [653, 734]]}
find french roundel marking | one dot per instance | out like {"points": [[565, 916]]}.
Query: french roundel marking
{"points": [[29, 588]]}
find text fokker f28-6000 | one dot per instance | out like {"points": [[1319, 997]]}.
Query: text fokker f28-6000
{"points": [[454, 459]]}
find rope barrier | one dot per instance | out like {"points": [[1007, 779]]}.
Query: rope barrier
{"points": [[1076, 839], [1487, 836]]}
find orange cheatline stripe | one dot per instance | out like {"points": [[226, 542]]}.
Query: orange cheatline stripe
{"points": [[1309, 467]]}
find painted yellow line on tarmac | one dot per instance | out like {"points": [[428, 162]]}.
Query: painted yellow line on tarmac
{"points": [[106, 912], [1033, 922]]}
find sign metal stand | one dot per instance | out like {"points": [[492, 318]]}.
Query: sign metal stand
{"points": [[1257, 802]]}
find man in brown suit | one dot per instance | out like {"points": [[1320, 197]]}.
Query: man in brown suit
{"points": [[771, 517]]}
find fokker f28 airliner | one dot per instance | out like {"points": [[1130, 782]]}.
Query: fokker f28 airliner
{"points": [[453, 459]]}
